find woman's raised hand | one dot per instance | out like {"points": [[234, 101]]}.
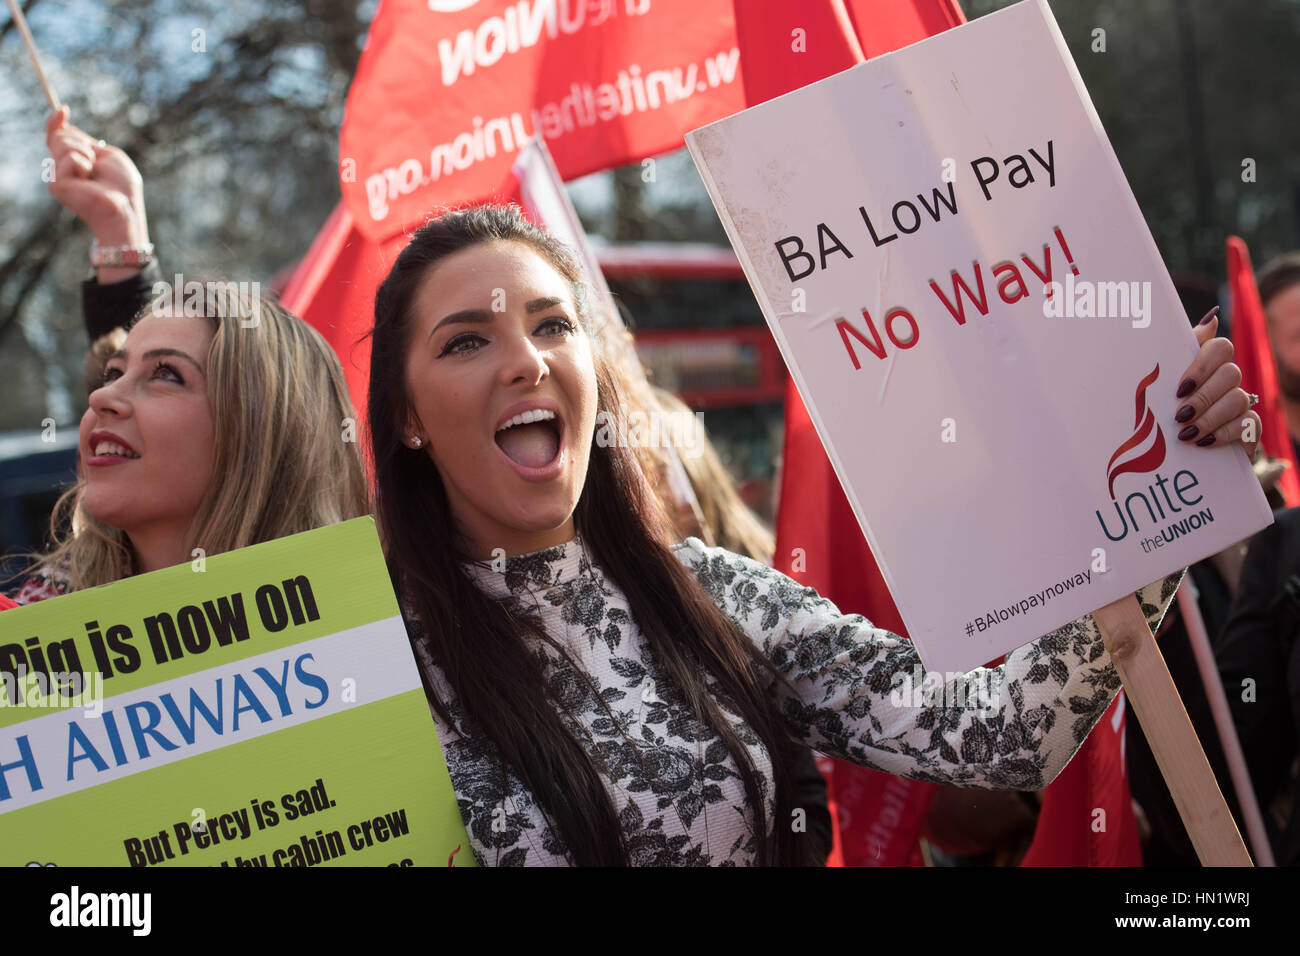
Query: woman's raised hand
{"points": [[1214, 410], [100, 185]]}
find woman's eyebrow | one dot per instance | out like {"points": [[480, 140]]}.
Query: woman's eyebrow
{"points": [[538, 304], [156, 353], [483, 315]]}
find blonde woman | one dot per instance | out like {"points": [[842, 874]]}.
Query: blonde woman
{"points": [[209, 432], [212, 427]]}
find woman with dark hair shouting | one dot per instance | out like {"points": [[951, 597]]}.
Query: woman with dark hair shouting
{"points": [[604, 697]]}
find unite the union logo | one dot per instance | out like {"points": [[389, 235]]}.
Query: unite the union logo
{"points": [[1144, 425], [1141, 454]]}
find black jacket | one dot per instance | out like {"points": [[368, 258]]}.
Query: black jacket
{"points": [[1259, 644], [116, 304]]}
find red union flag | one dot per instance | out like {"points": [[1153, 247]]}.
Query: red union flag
{"points": [[448, 91], [1087, 814]]}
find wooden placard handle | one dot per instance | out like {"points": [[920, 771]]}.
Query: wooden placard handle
{"points": [[21, 22], [1154, 698]]}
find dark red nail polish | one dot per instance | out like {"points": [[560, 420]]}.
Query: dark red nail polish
{"points": [[1185, 414], [1186, 388], [1209, 315], [1207, 440], [1188, 433]]}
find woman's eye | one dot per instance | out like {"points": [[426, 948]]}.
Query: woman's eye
{"points": [[459, 345], [168, 372], [564, 325], [110, 374]]}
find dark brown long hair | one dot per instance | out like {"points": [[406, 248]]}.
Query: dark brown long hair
{"points": [[481, 647]]}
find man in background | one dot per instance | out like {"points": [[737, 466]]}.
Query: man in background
{"points": [[1279, 292]]}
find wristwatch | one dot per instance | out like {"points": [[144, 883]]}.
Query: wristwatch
{"points": [[130, 257]]}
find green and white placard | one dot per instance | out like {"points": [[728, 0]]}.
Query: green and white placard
{"points": [[256, 708]]}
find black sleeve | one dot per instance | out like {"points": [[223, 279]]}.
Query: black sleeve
{"points": [[105, 307], [1255, 645], [810, 788]]}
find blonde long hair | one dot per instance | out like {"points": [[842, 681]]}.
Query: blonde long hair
{"points": [[725, 518], [286, 457]]}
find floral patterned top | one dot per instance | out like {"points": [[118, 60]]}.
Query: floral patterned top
{"points": [[676, 788], [41, 587]]}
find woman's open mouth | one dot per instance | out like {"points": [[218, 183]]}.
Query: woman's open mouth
{"points": [[533, 443], [109, 450]]}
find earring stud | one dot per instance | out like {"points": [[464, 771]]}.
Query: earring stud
{"points": [[416, 441]]}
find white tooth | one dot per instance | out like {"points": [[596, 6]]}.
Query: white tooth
{"points": [[113, 448], [528, 417]]}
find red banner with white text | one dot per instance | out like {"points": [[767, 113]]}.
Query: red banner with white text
{"points": [[448, 91]]}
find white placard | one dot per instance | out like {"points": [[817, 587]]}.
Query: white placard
{"points": [[900, 223]]}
